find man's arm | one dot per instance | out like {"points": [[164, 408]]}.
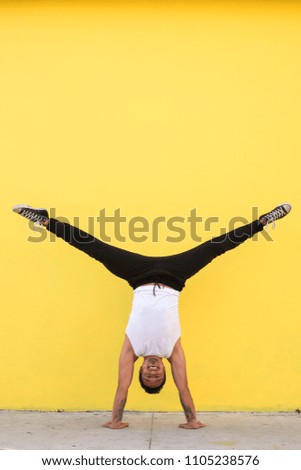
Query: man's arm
{"points": [[125, 375], [178, 367]]}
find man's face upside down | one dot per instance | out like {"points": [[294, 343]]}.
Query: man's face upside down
{"points": [[152, 372]]}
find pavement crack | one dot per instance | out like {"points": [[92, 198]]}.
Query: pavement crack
{"points": [[151, 432]]}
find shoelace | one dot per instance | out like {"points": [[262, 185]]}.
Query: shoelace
{"points": [[32, 216], [273, 216], [276, 214], [268, 223]]}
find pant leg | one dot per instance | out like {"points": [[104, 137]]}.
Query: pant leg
{"points": [[120, 262], [138, 269], [188, 263]]}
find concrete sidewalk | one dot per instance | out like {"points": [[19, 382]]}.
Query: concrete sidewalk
{"points": [[83, 431]]}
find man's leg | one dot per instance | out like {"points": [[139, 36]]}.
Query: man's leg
{"points": [[122, 263], [188, 263]]}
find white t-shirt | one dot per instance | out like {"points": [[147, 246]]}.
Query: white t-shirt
{"points": [[154, 325]]}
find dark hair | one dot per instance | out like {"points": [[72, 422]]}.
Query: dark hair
{"points": [[150, 389]]}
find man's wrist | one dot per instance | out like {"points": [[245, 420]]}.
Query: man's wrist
{"points": [[191, 420]]}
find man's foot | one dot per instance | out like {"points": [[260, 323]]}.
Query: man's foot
{"points": [[275, 214], [38, 216]]}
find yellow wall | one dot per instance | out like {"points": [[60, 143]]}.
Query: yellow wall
{"points": [[155, 108]]}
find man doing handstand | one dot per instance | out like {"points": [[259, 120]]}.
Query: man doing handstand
{"points": [[153, 331]]}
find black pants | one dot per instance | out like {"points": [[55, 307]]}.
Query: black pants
{"points": [[137, 269]]}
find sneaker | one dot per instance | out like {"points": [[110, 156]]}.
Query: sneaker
{"points": [[275, 214], [38, 216]]}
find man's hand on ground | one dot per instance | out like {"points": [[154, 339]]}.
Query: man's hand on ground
{"points": [[116, 425], [192, 425]]}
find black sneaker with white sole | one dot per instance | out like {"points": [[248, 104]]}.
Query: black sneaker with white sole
{"points": [[278, 213], [38, 216]]}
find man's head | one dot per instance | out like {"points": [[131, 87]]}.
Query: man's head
{"points": [[152, 375]]}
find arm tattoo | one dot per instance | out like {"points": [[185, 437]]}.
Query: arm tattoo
{"points": [[119, 411], [188, 412]]}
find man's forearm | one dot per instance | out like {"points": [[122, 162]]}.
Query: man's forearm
{"points": [[188, 406], [118, 406], [178, 366], [117, 413]]}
